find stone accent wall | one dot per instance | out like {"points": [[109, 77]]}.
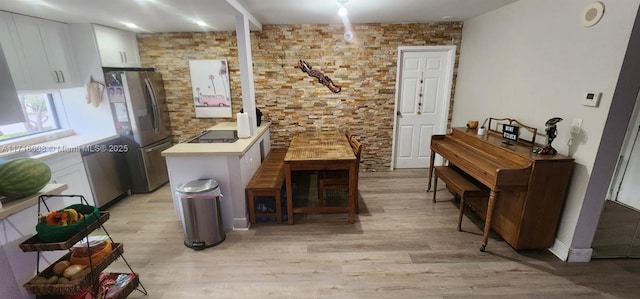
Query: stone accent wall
{"points": [[365, 68]]}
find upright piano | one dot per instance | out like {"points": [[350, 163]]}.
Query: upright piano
{"points": [[527, 190]]}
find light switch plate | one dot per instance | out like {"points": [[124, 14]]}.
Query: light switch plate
{"points": [[591, 98]]}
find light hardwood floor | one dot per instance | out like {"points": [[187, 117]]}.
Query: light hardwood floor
{"points": [[401, 246]]}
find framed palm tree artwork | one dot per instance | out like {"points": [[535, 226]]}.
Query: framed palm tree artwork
{"points": [[210, 86]]}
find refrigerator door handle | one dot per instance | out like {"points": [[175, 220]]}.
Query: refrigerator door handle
{"points": [[154, 105], [162, 145]]}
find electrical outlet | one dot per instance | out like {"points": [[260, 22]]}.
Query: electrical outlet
{"points": [[576, 125]]}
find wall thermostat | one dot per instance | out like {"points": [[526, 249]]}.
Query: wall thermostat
{"points": [[592, 98]]}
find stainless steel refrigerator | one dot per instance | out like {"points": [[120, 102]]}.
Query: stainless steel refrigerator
{"points": [[139, 108]]}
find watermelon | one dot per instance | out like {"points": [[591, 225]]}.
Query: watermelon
{"points": [[22, 177]]}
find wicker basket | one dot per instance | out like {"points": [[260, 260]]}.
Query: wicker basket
{"points": [[94, 258], [38, 288], [36, 244], [58, 233]]}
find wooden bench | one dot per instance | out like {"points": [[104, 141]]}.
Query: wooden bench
{"points": [[267, 182], [458, 185]]}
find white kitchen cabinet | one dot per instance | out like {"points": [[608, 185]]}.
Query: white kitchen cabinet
{"points": [[12, 50], [251, 160], [48, 62], [19, 267], [68, 168], [11, 111], [118, 48]]}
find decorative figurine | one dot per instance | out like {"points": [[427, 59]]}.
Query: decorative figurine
{"points": [[322, 79], [551, 131]]}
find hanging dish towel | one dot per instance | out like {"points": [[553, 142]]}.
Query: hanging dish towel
{"points": [[94, 92]]}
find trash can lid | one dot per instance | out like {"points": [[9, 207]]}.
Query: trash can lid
{"points": [[198, 186]]}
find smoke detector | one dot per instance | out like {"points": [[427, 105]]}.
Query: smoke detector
{"points": [[592, 14]]}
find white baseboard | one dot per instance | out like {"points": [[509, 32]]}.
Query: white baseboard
{"points": [[579, 255], [560, 250], [240, 224], [571, 255]]}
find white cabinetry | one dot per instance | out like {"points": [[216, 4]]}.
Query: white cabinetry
{"points": [[68, 168], [44, 60], [251, 160], [12, 50], [249, 164], [118, 48], [18, 267]]}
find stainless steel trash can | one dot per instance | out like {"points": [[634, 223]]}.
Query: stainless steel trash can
{"points": [[201, 220]]}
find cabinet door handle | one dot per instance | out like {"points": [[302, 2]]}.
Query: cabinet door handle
{"points": [[62, 75], [125, 57], [121, 57], [57, 77]]}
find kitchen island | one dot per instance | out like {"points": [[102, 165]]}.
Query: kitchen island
{"points": [[231, 164]]}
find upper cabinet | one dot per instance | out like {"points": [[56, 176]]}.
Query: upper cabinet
{"points": [[118, 48], [43, 59], [11, 111], [12, 50]]}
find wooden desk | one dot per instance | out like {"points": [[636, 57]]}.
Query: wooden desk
{"points": [[320, 150]]}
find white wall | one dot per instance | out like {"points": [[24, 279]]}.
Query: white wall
{"points": [[533, 60], [85, 118]]}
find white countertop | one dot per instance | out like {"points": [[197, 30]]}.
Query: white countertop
{"points": [[199, 149], [73, 143], [14, 206]]}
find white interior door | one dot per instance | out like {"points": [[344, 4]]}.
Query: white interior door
{"points": [[424, 89]]}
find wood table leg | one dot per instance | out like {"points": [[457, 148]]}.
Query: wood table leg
{"points": [[433, 157], [493, 196], [287, 172], [435, 188], [278, 202], [352, 193]]}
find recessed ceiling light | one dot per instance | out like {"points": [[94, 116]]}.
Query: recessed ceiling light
{"points": [[342, 11], [130, 25]]}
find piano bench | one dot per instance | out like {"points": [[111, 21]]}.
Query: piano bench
{"points": [[459, 185]]}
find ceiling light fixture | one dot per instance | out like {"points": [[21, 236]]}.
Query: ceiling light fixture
{"points": [[342, 12], [130, 25], [202, 24]]}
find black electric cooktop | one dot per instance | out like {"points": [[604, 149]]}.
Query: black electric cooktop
{"points": [[217, 136]]}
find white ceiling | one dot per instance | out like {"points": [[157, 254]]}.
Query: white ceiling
{"points": [[180, 15]]}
